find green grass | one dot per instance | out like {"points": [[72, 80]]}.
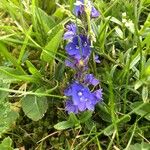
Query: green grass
{"points": [[33, 77]]}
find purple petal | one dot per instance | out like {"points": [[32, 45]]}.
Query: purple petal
{"points": [[76, 87], [84, 40], [70, 64], [68, 91], [97, 59], [72, 27], [95, 82], [86, 52], [94, 13], [98, 94], [77, 56], [71, 31], [79, 7], [76, 40], [82, 106], [90, 79], [90, 106], [70, 107], [71, 48], [68, 35], [79, 47]]}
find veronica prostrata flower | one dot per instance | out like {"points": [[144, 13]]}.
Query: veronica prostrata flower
{"points": [[94, 12], [71, 31], [90, 79], [79, 48], [79, 8], [81, 98]]}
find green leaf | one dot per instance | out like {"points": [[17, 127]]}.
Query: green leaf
{"points": [[42, 20], [138, 84], [143, 111], [145, 93], [53, 44], [119, 32], [24, 46], [85, 116], [34, 106], [103, 32], [9, 75], [147, 68], [33, 70], [115, 20], [64, 125], [59, 13], [104, 113], [135, 60], [6, 144], [138, 146], [3, 94], [130, 26], [7, 117], [73, 118], [146, 2], [71, 122]]}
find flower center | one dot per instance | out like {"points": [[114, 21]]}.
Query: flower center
{"points": [[81, 63], [80, 93]]}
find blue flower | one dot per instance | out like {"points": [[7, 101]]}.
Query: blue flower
{"points": [[79, 9], [90, 79], [71, 31], [79, 48], [81, 98], [94, 13], [97, 59]]}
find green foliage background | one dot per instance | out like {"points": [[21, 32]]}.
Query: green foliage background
{"points": [[33, 77]]}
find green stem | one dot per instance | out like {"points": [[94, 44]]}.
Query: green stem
{"points": [[139, 47], [31, 93]]}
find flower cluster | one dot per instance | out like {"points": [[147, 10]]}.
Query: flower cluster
{"points": [[81, 98], [78, 49]]}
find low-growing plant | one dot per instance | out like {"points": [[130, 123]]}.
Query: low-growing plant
{"points": [[74, 74]]}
